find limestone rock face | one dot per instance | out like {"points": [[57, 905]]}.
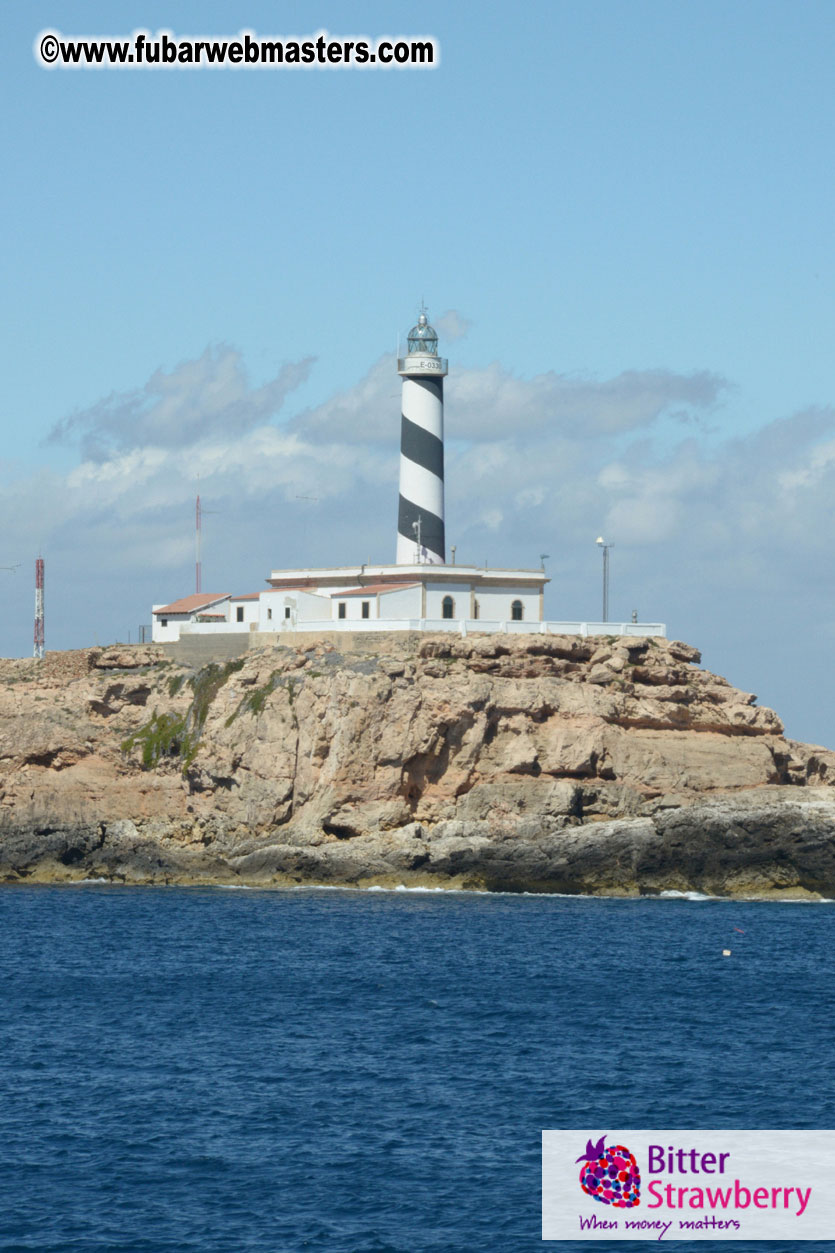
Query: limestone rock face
{"points": [[543, 763]]}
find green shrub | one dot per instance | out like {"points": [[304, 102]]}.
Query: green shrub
{"points": [[178, 735]]}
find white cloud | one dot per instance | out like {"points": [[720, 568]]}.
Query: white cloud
{"points": [[550, 469], [195, 400], [368, 411], [490, 403], [451, 326]]}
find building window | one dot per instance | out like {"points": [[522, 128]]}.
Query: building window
{"points": [[447, 607], [287, 612], [163, 622], [516, 611], [239, 613], [475, 608], [342, 609], [366, 608], [269, 615]]}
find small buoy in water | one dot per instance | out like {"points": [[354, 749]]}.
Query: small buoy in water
{"points": [[726, 952]]}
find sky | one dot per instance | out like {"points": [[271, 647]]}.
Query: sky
{"points": [[620, 219]]}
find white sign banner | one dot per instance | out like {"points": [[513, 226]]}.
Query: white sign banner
{"points": [[688, 1185]]}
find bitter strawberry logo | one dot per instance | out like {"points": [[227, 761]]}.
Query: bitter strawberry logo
{"points": [[610, 1175]]}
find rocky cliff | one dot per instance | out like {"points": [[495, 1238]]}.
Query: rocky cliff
{"points": [[555, 763]]}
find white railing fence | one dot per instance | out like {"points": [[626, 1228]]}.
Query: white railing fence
{"points": [[461, 626]]}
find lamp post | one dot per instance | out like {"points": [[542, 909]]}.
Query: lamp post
{"points": [[602, 544]]}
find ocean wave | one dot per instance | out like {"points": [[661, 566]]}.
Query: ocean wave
{"points": [[405, 887], [748, 900], [796, 900], [669, 894], [672, 895]]}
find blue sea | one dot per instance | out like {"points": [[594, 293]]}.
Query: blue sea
{"points": [[233, 1071]]}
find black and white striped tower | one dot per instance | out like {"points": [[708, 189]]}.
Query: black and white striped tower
{"points": [[420, 522]]}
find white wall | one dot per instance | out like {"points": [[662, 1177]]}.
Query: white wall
{"points": [[405, 603], [353, 607], [252, 612], [471, 626], [193, 627], [171, 631], [435, 593], [303, 606], [175, 621], [494, 603]]}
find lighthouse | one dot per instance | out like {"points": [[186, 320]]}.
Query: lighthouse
{"points": [[420, 521], [417, 592]]}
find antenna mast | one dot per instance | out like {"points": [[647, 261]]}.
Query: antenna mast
{"points": [[197, 538], [39, 633]]}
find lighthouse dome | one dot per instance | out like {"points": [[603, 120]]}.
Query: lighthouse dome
{"points": [[423, 338]]}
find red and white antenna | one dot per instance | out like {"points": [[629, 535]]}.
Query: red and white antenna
{"points": [[198, 527], [39, 634]]}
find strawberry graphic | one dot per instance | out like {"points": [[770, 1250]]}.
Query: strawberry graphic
{"points": [[610, 1175]]}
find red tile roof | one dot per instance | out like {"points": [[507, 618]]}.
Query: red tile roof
{"points": [[373, 588], [197, 600], [247, 596]]}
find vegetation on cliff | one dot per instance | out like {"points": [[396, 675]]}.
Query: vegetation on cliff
{"points": [[177, 735]]}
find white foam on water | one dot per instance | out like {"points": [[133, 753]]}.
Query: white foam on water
{"points": [[402, 887], [672, 895], [405, 887], [669, 894], [796, 900], [322, 887]]}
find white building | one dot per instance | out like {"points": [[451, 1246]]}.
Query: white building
{"points": [[210, 611], [363, 598], [420, 592], [378, 597], [382, 598]]}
